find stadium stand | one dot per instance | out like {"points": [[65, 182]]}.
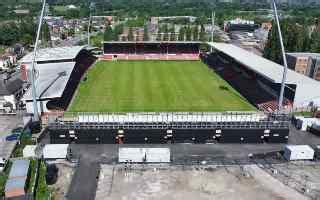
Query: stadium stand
{"points": [[259, 80], [58, 72], [151, 51], [247, 87]]}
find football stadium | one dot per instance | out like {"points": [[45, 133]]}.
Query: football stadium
{"points": [[163, 92], [156, 86]]}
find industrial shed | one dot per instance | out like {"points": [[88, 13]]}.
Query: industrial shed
{"points": [[300, 89]]}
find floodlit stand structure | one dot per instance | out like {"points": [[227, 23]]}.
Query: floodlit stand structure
{"points": [[285, 71], [34, 95]]}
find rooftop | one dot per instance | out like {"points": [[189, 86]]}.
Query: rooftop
{"points": [[9, 85], [51, 54], [16, 183], [266, 68], [299, 148], [153, 42], [19, 168], [304, 54]]}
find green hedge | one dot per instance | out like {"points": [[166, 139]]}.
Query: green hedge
{"points": [[4, 176], [42, 191], [33, 173]]}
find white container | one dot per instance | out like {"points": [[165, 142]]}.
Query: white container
{"points": [[29, 151], [146, 155], [55, 151], [298, 152], [304, 123]]}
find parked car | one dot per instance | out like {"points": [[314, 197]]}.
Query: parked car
{"points": [[17, 130], [13, 137]]}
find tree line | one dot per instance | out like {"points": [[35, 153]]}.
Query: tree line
{"points": [[23, 32], [296, 38]]}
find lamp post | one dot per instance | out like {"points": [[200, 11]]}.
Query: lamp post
{"points": [[285, 63], [33, 63]]}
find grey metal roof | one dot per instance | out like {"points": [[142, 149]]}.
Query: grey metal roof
{"points": [[16, 183], [51, 80], [19, 168], [262, 66], [52, 54], [304, 54], [10, 86], [153, 42]]}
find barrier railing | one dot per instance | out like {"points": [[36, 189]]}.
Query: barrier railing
{"points": [[169, 120]]}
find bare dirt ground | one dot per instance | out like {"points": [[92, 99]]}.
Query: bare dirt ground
{"points": [[189, 183], [60, 188], [303, 176]]}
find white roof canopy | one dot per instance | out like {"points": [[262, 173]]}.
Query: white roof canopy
{"points": [[52, 54], [51, 80], [262, 66]]}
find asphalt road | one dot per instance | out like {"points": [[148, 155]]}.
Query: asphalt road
{"points": [[84, 181]]}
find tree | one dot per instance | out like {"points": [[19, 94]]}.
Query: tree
{"points": [[159, 35], [195, 33], [202, 34], [130, 34], [9, 33], [166, 34], [188, 33], [145, 34], [118, 30], [172, 33], [296, 38], [315, 40], [46, 37], [108, 34], [182, 32]]}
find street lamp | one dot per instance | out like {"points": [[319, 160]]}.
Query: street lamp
{"points": [[91, 7], [33, 63]]}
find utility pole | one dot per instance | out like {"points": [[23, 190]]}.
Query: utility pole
{"points": [[33, 87], [91, 7], [213, 16], [89, 24], [285, 63]]}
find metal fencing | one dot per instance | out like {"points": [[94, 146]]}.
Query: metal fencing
{"points": [[183, 120]]}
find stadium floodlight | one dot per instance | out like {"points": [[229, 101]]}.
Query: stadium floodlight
{"points": [[213, 16], [91, 7], [33, 63], [285, 63]]}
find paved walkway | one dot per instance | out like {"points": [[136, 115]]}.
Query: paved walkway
{"points": [[84, 181]]}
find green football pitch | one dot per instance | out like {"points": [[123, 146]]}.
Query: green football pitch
{"points": [[155, 86]]}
